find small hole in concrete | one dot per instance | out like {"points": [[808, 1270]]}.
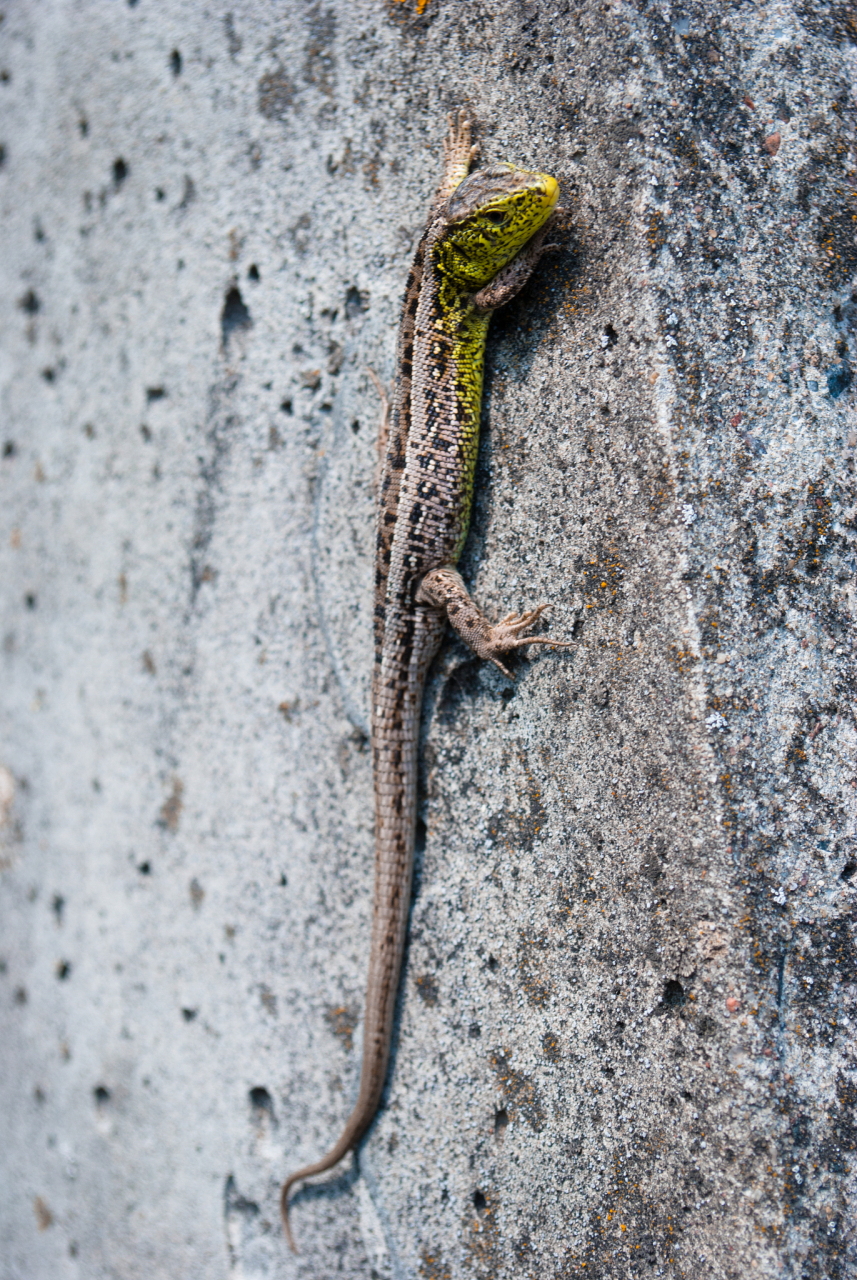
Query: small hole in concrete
{"points": [[674, 994], [234, 315], [176, 62], [120, 171], [501, 1122], [145, 869], [355, 303], [189, 1014], [253, 272], [479, 1201], [260, 1100], [848, 871], [63, 970], [101, 1095]]}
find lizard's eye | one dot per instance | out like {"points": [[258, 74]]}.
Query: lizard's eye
{"points": [[495, 217]]}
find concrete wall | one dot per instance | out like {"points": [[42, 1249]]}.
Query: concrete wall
{"points": [[625, 1036]]}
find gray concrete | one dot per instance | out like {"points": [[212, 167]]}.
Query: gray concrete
{"points": [[626, 1024]]}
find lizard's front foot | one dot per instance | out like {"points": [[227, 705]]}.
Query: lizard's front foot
{"points": [[458, 154]]}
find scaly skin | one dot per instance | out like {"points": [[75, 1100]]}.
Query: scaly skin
{"points": [[484, 236]]}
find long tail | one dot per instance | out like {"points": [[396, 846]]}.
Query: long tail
{"points": [[397, 699], [350, 1137], [392, 898], [376, 1054]]}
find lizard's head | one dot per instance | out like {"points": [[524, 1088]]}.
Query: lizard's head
{"points": [[490, 217]]}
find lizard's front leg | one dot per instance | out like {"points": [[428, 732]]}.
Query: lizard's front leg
{"points": [[511, 279], [445, 590]]}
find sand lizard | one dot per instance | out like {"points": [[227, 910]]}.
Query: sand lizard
{"points": [[484, 235]]}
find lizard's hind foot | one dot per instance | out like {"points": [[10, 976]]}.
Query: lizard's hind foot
{"points": [[445, 589], [506, 636]]}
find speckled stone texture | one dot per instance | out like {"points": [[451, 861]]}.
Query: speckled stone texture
{"points": [[626, 1028]]}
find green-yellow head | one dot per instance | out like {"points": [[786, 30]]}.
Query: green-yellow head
{"points": [[490, 217]]}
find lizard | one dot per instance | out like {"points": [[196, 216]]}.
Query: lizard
{"points": [[484, 236]]}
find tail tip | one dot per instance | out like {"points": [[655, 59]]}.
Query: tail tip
{"points": [[284, 1214]]}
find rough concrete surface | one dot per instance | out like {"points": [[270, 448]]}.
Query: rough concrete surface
{"points": [[625, 1042]]}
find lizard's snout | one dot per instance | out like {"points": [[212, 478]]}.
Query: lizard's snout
{"points": [[551, 190]]}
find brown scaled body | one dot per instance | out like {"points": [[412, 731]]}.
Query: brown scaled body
{"points": [[484, 236]]}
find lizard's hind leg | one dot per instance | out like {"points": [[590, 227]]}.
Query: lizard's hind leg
{"points": [[444, 588]]}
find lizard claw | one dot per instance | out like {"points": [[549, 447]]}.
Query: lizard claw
{"points": [[458, 139], [514, 623], [506, 635]]}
